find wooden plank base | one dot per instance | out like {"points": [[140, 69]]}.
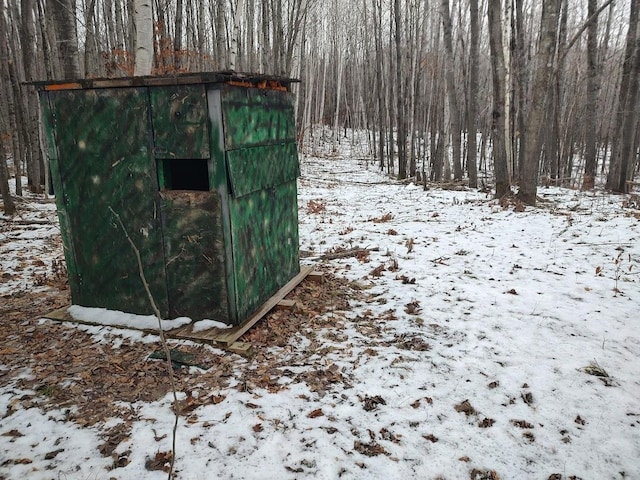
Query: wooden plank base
{"points": [[225, 338]]}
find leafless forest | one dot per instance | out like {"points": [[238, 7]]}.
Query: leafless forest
{"points": [[502, 94]]}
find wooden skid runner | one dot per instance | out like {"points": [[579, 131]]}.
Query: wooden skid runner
{"points": [[225, 338], [228, 336]]}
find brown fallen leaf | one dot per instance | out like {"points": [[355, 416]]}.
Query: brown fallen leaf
{"points": [[315, 413], [53, 454], [161, 461], [466, 408], [486, 423], [369, 449], [521, 424]]}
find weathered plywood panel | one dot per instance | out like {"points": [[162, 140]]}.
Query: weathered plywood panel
{"points": [[264, 232], [194, 250], [54, 165], [257, 117], [104, 162], [180, 127], [257, 168]]}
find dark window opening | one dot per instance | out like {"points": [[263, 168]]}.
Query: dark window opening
{"points": [[183, 174]]}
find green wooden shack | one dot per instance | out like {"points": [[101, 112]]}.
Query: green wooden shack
{"points": [[200, 168]]}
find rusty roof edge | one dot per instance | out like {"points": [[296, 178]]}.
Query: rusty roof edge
{"points": [[157, 80]]}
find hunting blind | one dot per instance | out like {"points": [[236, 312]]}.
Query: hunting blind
{"points": [[200, 168]]}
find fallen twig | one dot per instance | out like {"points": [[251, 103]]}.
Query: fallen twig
{"points": [[163, 340], [352, 252]]}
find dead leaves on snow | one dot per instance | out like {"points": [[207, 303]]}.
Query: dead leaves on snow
{"points": [[371, 403]]}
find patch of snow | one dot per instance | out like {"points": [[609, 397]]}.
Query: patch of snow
{"points": [[115, 318], [206, 324]]}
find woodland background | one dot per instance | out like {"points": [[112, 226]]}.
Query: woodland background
{"points": [[503, 94]]}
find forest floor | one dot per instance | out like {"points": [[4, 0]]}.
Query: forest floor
{"points": [[454, 337]]}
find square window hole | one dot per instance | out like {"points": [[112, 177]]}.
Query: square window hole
{"points": [[183, 174]]}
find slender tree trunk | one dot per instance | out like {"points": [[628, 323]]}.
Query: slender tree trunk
{"points": [[233, 53], [62, 13], [616, 179], [472, 149], [507, 41], [91, 61], [6, 101], [539, 101], [503, 182], [454, 111], [144, 37], [521, 80], [177, 41], [400, 110], [33, 158], [593, 87]]}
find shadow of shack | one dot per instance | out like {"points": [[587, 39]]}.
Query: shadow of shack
{"points": [[200, 168]]}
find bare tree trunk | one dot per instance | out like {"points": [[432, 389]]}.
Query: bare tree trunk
{"points": [[472, 149], [508, 85], [593, 87], [539, 104], [62, 13], [521, 81], [503, 182], [616, 179], [177, 40], [35, 162], [91, 65], [553, 111], [5, 107], [7, 202], [233, 53], [454, 111], [400, 113], [144, 37]]}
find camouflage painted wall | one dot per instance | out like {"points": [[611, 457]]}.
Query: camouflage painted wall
{"points": [[216, 254]]}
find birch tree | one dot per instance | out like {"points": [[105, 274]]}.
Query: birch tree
{"points": [[144, 37], [62, 14]]}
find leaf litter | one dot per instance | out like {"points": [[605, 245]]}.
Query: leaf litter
{"points": [[419, 329]]}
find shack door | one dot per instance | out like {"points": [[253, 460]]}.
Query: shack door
{"points": [[105, 166]]}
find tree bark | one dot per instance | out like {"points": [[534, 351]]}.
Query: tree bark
{"points": [[622, 135], [539, 104], [593, 87], [144, 37], [400, 113], [472, 149], [503, 182], [62, 14], [177, 40], [454, 111]]}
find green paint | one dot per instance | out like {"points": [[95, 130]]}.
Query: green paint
{"points": [[105, 161], [257, 117], [216, 254], [194, 254], [259, 168], [179, 116], [265, 244]]}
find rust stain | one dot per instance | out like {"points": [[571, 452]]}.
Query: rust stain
{"points": [[63, 86]]}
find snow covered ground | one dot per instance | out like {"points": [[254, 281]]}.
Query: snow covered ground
{"points": [[491, 343]]}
